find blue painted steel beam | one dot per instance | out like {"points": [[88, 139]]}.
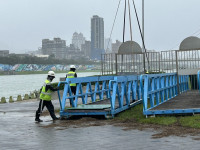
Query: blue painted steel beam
{"points": [[68, 114], [118, 110], [177, 111]]}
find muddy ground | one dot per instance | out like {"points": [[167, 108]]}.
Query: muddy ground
{"points": [[78, 122], [161, 130]]}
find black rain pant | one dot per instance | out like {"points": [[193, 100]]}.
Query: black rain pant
{"points": [[49, 106], [73, 89]]}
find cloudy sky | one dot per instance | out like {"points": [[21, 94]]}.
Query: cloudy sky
{"points": [[24, 23]]}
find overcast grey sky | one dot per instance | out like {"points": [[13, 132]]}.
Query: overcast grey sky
{"points": [[24, 23]]}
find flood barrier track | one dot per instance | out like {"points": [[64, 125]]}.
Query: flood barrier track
{"points": [[162, 94], [102, 95]]}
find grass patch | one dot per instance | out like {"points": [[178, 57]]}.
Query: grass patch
{"points": [[136, 114], [190, 121], [160, 120]]}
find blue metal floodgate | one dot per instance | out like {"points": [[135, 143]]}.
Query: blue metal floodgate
{"points": [[102, 95], [161, 96]]}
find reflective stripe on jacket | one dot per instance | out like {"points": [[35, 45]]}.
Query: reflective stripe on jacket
{"points": [[46, 95], [71, 75]]}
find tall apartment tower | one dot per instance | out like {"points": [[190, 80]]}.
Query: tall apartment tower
{"points": [[97, 37], [78, 40]]}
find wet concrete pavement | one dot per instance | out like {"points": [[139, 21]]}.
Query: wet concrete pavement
{"points": [[18, 131]]}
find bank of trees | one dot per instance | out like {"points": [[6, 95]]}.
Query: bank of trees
{"points": [[15, 59]]}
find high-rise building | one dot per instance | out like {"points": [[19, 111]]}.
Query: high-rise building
{"points": [[74, 53], [4, 53], [78, 40], [115, 46], [97, 37], [86, 48], [108, 45], [56, 47]]}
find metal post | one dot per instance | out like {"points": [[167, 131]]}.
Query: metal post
{"points": [[177, 71], [144, 62], [159, 62], [112, 63], [116, 63], [101, 64]]}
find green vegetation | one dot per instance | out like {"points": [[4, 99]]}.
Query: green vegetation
{"points": [[135, 114], [190, 121], [27, 59], [44, 72]]}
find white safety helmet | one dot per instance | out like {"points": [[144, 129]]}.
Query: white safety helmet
{"points": [[72, 66], [51, 73]]}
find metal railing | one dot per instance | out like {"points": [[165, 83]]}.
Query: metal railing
{"points": [[108, 64], [119, 93], [183, 62], [125, 93], [128, 64], [159, 88], [183, 83], [168, 61], [95, 86]]}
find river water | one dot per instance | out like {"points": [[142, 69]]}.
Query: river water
{"points": [[13, 85]]}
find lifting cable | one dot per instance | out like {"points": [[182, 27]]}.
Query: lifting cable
{"points": [[113, 23], [124, 26], [124, 21], [130, 27], [141, 35], [130, 21]]}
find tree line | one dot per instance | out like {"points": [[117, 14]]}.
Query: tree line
{"points": [[27, 59]]}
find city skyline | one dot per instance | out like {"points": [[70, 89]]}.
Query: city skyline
{"points": [[25, 22]]}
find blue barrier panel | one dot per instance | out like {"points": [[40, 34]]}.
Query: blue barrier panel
{"points": [[126, 90], [159, 88], [198, 80], [183, 83], [108, 88], [102, 92]]}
